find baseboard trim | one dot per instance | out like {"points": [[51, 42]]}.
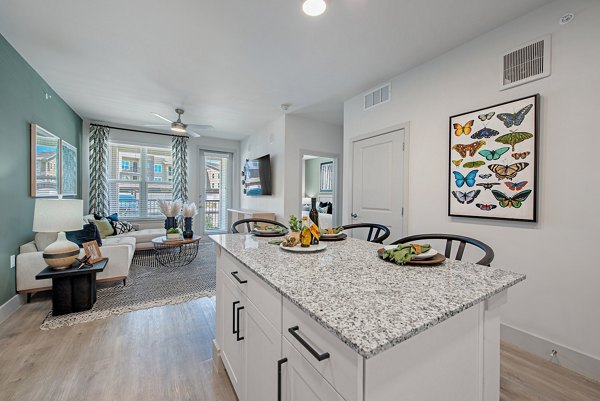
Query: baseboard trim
{"points": [[11, 306], [569, 358]]}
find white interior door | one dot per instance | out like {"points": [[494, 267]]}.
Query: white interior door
{"points": [[377, 182]]}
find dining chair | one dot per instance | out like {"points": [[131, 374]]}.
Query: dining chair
{"points": [[247, 222], [374, 231], [450, 238]]}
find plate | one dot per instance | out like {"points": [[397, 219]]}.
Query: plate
{"points": [[300, 249], [268, 233], [333, 237], [437, 259], [423, 256]]}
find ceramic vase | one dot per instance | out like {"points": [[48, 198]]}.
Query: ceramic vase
{"points": [[187, 224]]}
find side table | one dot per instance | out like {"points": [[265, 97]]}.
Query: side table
{"points": [[73, 290]]}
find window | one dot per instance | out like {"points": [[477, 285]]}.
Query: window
{"points": [[135, 191]]}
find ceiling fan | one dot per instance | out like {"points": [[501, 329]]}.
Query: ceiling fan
{"points": [[178, 127]]}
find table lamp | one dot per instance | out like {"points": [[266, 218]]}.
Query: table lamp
{"points": [[59, 215]]}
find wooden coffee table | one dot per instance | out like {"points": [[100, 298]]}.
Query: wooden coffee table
{"points": [[176, 253], [73, 290]]}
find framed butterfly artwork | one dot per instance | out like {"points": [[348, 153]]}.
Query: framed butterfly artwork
{"points": [[493, 159]]}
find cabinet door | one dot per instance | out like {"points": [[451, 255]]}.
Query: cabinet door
{"points": [[262, 351], [232, 351], [302, 382]]}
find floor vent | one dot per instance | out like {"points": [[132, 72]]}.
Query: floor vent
{"points": [[527, 63], [378, 96]]}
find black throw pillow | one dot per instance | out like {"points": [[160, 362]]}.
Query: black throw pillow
{"points": [[88, 233]]}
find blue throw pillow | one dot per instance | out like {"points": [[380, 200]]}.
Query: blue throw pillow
{"points": [[88, 233], [112, 217]]}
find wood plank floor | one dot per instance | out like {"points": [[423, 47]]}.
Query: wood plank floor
{"points": [[165, 354]]}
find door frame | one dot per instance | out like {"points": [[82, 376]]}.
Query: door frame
{"points": [[405, 172], [337, 181], [201, 225]]}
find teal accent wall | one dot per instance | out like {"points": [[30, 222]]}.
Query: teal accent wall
{"points": [[22, 102]]}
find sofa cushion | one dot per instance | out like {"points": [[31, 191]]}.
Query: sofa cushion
{"points": [[146, 235], [118, 240], [104, 227], [89, 232]]}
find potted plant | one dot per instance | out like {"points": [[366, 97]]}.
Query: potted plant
{"points": [[189, 212], [173, 233], [295, 227]]}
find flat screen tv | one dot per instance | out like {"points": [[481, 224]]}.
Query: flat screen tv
{"points": [[257, 176]]}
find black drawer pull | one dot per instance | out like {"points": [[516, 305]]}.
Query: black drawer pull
{"points": [[239, 280], [279, 363], [233, 316], [237, 333], [294, 332]]}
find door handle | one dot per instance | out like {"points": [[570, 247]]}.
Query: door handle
{"points": [[320, 357], [237, 333], [233, 317], [279, 363], [354, 215]]}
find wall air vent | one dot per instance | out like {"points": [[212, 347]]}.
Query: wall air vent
{"points": [[378, 96], [527, 63]]}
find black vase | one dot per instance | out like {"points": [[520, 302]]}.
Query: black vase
{"points": [[187, 225], [170, 223]]}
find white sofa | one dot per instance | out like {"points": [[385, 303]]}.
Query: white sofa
{"points": [[118, 248]]}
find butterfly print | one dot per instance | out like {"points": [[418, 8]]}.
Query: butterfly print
{"points": [[466, 197], [485, 176], [462, 180], [457, 162], [510, 119], [487, 116], [471, 148], [485, 206], [515, 201], [506, 172], [493, 154], [520, 155], [473, 164], [485, 133], [460, 129], [516, 186], [488, 185]]}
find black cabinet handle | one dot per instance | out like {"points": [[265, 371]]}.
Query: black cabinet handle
{"points": [[239, 280], [233, 316], [237, 333], [279, 363], [294, 332]]}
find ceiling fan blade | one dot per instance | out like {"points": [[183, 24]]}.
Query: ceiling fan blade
{"points": [[193, 133], [160, 125], [161, 117], [200, 126]]}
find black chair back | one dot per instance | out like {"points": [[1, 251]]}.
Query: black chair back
{"points": [[377, 232], [254, 220], [450, 238]]}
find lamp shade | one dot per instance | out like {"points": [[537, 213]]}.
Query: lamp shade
{"points": [[54, 215]]}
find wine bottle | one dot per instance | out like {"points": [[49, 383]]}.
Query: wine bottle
{"points": [[313, 215]]}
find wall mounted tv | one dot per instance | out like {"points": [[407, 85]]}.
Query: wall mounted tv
{"points": [[257, 176]]}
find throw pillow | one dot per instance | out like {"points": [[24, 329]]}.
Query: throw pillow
{"points": [[122, 227], [104, 227], [112, 217], [322, 209], [89, 232]]}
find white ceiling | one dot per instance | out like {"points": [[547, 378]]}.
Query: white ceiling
{"points": [[231, 63]]}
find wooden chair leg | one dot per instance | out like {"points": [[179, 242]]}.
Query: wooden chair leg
{"points": [[124, 282], [28, 297]]}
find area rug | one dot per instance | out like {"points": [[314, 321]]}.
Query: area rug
{"points": [[148, 285]]}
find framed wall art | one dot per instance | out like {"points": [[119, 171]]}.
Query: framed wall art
{"points": [[326, 177], [493, 161], [45, 162], [68, 162]]}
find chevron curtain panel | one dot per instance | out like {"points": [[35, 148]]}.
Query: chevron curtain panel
{"points": [[180, 168], [99, 169]]}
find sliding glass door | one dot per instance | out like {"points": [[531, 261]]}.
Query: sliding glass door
{"points": [[216, 190]]}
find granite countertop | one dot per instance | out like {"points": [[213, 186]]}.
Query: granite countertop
{"points": [[369, 304]]}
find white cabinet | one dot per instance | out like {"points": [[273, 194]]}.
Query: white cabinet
{"points": [[232, 351], [300, 381]]}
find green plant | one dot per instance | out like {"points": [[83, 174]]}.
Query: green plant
{"points": [[173, 231], [295, 224]]}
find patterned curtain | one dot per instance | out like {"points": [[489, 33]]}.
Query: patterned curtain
{"points": [[99, 169], [180, 179]]}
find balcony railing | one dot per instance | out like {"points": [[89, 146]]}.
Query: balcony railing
{"points": [[212, 212]]}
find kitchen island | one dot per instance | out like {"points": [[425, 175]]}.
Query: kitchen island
{"points": [[343, 324]]}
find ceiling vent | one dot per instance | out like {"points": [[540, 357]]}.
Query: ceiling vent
{"points": [[527, 63], [378, 96]]}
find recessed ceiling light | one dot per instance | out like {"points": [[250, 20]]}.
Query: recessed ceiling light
{"points": [[314, 7]]}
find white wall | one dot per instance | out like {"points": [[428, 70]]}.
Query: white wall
{"points": [[559, 300], [304, 136], [268, 140]]}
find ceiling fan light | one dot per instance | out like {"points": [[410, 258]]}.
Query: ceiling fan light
{"points": [[314, 7], [178, 127]]}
